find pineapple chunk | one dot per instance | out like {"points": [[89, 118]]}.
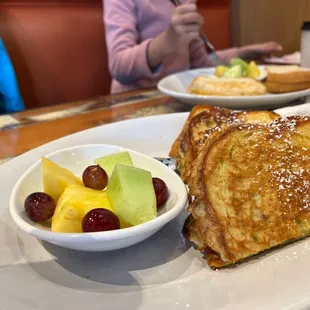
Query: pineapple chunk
{"points": [[56, 178], [220, 70], [75, 202], [253, 70]]}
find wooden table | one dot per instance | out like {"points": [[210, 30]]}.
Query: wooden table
{"points": [[21, 132]]}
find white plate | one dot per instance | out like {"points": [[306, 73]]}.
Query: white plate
{"points": [[289, 59], [76, 159], [163, 272], [176, 86]]}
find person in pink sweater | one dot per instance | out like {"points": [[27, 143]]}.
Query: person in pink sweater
{"points": [[149, 39]]}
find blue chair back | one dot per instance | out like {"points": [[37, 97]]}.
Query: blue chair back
{"points": [[10, 97]]}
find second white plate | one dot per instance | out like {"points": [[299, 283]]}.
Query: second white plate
{"points": [[176, 86]]}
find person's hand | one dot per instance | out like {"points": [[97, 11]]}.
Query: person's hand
{"points": [[184, 26], [258, 51]]}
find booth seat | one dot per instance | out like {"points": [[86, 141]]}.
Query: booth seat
{"points": [[58, 47]]}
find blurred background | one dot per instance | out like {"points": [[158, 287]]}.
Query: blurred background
{"points": [[58, 51]]}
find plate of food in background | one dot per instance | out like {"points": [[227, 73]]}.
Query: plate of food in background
{"points": [[239, 85]]}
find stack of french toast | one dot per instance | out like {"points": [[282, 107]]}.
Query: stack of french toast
{"points": [[249, 175]]}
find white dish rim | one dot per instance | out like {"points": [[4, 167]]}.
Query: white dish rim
{"points": [[105, 235], [176, 94]]}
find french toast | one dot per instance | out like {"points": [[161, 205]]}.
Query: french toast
{"points": [[280, 88], [201, 124], [209, 86], [287, 74], [284, 79], [193, 136], [193, 168], [252, 190], [175, 149]]}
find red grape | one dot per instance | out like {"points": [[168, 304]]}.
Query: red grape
{"points": [[161, 191], [95, 177], [100, 220], [39, 206]]}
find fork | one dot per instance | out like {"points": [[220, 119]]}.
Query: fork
{"points": [[209, 46], [169, 162]]}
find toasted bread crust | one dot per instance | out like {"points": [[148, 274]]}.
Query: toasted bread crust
{"points": [[174, 152], [195, 136], [205, 123], [254, 191], [291, 76], [278, 88]]}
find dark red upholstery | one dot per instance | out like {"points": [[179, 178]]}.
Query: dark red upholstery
{"points": [[58, 51]]}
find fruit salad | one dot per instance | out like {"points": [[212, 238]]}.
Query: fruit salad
{"points": [[112, 194], [237, 69]]}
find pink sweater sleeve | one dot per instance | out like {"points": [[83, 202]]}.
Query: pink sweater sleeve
{"points": [[127, 56], [199, 57]]}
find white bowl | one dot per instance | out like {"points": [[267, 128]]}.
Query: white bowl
{"points": [[76, 159]]}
